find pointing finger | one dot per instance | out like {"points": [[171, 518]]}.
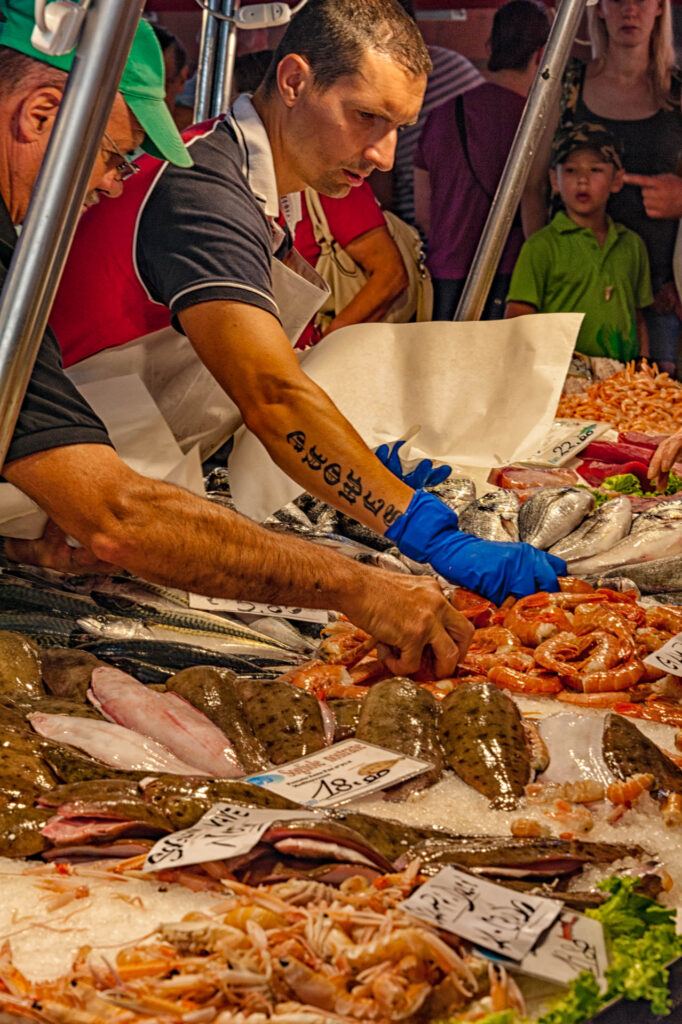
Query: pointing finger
{"points": [[640, 179]]}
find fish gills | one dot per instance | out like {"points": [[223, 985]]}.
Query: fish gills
{"points": [[484, 741], [286, 719], [628, 751], [215, 692], [401, 715]]}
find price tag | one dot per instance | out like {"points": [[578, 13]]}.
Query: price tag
{"points": [[573, 944], [342, 772], [668, 657], [506, 922], [226, 604], [227, 830], [565, 439]]}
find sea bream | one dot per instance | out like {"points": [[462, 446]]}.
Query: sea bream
{"points": [[660, 541], [484, 741], [553, 513], [495, 516], [598, 532], [167, 718], [664, 512]]}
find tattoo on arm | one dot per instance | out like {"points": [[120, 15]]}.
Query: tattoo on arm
{"points": [[351, 489]]}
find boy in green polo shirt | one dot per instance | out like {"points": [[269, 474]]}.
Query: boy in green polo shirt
{"points": [[582, 262]]}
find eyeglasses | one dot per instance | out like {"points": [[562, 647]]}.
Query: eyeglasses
{"points": [[127, 168]]}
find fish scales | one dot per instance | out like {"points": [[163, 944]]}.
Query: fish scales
{"points": [[72, 766], [484, 741], [401, 715], [286, 719], [20, 674], [552, 513], [666, 511], [598, 532], [494, 516], [627, 751], [183, 800], [661, 540], [216, 693], [654, 577]]}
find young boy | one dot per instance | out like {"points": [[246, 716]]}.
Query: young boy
{"points": [[582, 262]]}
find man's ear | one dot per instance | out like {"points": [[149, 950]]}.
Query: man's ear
{"points": [[36, 113], [553, 180], [294, 76], [617, 183]]}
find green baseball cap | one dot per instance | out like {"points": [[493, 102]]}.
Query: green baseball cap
{"points": [[142, 85]]}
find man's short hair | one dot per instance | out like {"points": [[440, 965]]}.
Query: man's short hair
{"points": [[520, 28], [169, 41], [335, 35], [20, 72]]}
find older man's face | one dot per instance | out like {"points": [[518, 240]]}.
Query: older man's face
{"points": [[125, 131], [339, 135]]}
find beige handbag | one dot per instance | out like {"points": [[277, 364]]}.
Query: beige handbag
{"points": [[345, 277]]}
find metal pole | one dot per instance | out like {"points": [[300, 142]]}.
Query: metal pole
{"points": [[226, 51], [58, 196], [203, 98], [542, 99]]}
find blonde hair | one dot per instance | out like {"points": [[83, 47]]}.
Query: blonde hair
{"points": [[661, 49]]}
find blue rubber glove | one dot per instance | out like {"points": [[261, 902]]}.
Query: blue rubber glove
{"points": [[427, 532], [425, 474]]}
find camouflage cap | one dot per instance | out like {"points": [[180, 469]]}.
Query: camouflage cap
{"points": [[586, 135]]}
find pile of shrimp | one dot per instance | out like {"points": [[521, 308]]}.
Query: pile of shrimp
{"points": [[296, 953], [631, 400], [580, 645]]}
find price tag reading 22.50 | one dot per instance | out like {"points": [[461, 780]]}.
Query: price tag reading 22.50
{"points": [[342, 772]]}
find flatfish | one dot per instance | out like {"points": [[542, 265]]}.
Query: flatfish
{"points": [[346, 711], [19, 666], [553, 513], [66, 672], [401, 715], [184, 800], [628, 751], [286, 719], [484, 741], [21, 831], [216, 692], [495, 516]]}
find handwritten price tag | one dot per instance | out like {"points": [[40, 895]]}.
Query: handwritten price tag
{"points": [[227, 830], [565, 439], [342, 772], [668, 657], [506, 922], [224, 604]]}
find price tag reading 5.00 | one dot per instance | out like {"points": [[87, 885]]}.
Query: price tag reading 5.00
{"points": [[343, 772]]}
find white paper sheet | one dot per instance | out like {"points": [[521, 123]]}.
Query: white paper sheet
{"points": [[475, 394], [141, 437]]}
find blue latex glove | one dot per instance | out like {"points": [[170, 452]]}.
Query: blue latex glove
{"points": [[427, 532], [425, 474]]}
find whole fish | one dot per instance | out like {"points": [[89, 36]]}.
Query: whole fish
{"points": [[484, 741], [216, 693], [110, 743], [658, 542], [166, 718], [19, 666], [21, 831], [552, 513], [108, 792], [495, 516], [66, 672], [158, 655], [401, 715], [73, 766], [656, 577], [16, 595], [348, 527], [628, 751], [286, 719], [183, 800], [42, 630], [62, 706], [666, 512], [598, 532], [457, 492]]}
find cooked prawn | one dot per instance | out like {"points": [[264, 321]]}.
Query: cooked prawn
{"points": [[529, 828], [652, 711], [671, 810], [535, 618], [619, 678], [665, 617], [587, 617], [345, 647], [576, 816], [604, 699], [524, 682]]}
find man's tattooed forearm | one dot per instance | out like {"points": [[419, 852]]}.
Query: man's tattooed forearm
{"points": [[351, 489]]}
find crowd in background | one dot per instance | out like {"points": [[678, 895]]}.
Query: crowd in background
{"points": [[597, 227]]}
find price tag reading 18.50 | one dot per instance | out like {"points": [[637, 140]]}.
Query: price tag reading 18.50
{"points": [[668, 657], [342, 772]]}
